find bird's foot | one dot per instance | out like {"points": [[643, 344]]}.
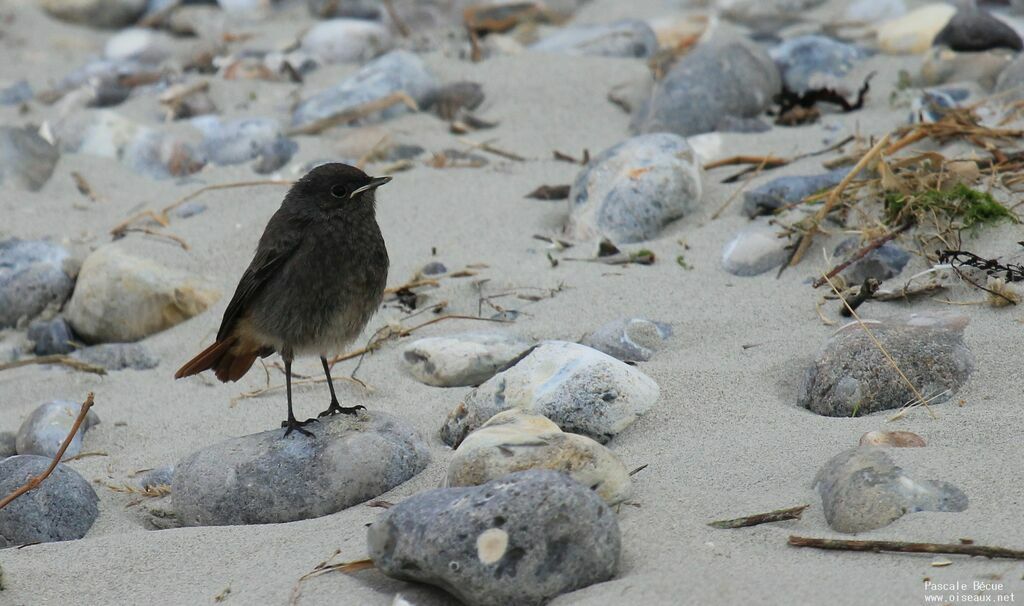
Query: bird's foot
{"points": [[293, 425], [336, 408]]}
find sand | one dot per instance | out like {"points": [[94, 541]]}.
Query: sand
{"points": [[726, 438]]}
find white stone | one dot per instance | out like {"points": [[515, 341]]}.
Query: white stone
{"points": [[913, 33], [138, 44], [461, 359], [346, 40], [754, 251]]}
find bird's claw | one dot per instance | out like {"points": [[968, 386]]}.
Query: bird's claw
{"points": [[336, 408]]}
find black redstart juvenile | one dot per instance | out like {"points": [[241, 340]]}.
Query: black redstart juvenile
{"points": [[317, 277]]}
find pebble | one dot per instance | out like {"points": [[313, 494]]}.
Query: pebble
{"points": [[34, 275], [914, 32], [17, 93], [120, 297], [630, 38], [581, 389], [814, 62], [346, 41], [514, 441], [358, 9], [972, 30], [8, 447], [629, 339], [396, 71], [26, 159], [434, 268], [851, 377], [783, 191], [942, 65], [872, 11], [932, 104], [895, 439], [158, 476], [1012, 77], [886, 261], [728, 75], [237, 141], [46, 428], [63, 508], [754, 250], [50, 337], [189, 209], [161, 155], [144, 45], [862, 489], [462, 359], [456, 96], [96, 13], [118, 356], [629, 192], [766, 15], [264, 478], [522, 539]]}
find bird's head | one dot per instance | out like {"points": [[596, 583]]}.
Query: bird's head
{"points": [[337, 188]]}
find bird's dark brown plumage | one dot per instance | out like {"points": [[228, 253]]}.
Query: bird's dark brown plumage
{"points": [[317, 277]]}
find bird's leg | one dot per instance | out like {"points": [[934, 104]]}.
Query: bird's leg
{"points": [[291, 423], [335, 407]]}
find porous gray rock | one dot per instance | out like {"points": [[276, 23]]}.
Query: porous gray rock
{"points": [[581, 389], [120, 297], [96, 13], [725, 76], [51, 337], [396, 71], [26, 159], [34, 274], [628, 192], [462, 359], [626, 38], [814, 62], [264, 478], [782, 191], [851, 376], [43, 432], [63, 508], [523, 539], [118, 356], [629, 339], [862, 489]]}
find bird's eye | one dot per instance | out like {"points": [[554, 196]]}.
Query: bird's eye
{"points": [[339, 191]]}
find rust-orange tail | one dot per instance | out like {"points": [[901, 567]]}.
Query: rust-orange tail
{"points": [[226, 360]]}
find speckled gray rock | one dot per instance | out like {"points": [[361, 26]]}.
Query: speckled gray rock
{"points": [[886, 261], [726, 76], [33, 275], [522, 539], [581, 389], [63, 508], [51, 337], [264, 478], [96, 13], [781, 191], [852, 377], [626, 38], [8, 444], [862, 489], [813, 62], [462, 359], [26, 159], [629, 339], [45, 429], [973, 30], [754, 250], [630, 191], [396, 71], [118, 356]]}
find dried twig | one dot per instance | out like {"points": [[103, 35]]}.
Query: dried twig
{"points": [[903, 547], [84, 187], [739, 190], [770, 161], [34, 482], [56, 359], [863, 252], [325, 567], [487, 147], [152, 232], [400, 25], [793, 513]]}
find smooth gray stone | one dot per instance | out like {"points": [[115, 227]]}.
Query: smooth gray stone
{"points": [[462, 359], [118, 356], [522, 539], [63, 508], [45, 429], [33, 275], [396, 71], [26, 159], [814, 62], [265, 478], [51, 337], [862, 489], [886, 261], [973, 30], [852, 377], [629, 339], [158, 476], [434, 268], [726, 76], [781, 191], [754, 250], [227, 142], [96, 13], [8, 444], [626, 38]]}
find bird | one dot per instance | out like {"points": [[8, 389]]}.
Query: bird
{"points": [[317, 277]]}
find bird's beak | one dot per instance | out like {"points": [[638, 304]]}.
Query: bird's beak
{"points": [[372, 185]]}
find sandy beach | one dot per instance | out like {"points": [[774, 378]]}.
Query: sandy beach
{"points": [[725, 439]]}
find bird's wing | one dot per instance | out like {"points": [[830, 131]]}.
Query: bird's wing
{"points": [[271, 255]]}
